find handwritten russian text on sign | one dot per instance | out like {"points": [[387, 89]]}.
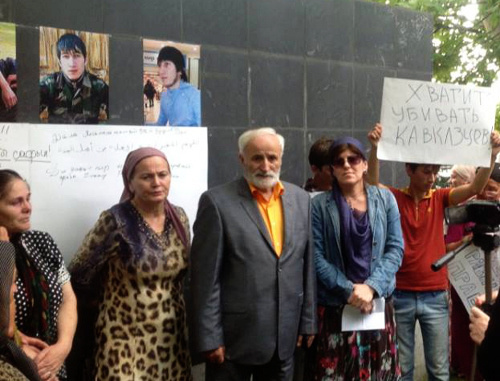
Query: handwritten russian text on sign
{"points": [[434, 123], [466, 274], [75, 171]]}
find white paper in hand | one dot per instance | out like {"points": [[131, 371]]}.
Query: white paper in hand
{"points": [[354, 320]]}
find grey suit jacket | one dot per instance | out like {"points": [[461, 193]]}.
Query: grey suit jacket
{"points": [[242, 295]]}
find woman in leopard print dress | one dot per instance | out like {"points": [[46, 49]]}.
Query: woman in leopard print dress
{"points": [[133, 263]]}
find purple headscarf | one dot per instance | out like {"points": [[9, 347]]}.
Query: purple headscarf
{"points": [[349, 140], [133, 158]]}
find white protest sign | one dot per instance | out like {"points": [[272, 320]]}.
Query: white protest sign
{"points": [[466, 274], [434, 123], [75, 171]]}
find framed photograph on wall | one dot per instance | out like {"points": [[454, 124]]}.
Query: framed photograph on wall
{"points": [[8, 72], [74, 76], [171, 84]]}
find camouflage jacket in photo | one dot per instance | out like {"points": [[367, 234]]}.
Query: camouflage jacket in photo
{"points": [[85, 102]]}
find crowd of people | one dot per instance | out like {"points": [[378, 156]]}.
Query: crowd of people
{"points": [[268, 276]]}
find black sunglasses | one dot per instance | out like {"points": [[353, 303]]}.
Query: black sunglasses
{"points": [[352, 160]]}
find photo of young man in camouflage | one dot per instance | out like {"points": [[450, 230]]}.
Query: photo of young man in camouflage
{"points": [[73, 95]]}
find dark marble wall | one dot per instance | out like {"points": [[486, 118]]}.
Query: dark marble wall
{"points": [[306, 67]]}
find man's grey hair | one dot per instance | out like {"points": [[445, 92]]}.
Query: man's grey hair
{"points": [[249, 135]]}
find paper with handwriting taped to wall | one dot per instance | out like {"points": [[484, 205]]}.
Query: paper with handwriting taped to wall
{"points": [[74, 171]]}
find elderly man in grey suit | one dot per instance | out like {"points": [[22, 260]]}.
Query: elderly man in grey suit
{"points": [[252, 276]]}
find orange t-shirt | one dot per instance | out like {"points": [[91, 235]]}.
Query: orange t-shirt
{"points": [[423, 235]]}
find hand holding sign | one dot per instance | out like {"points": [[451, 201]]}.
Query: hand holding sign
{"points": [[495, 144], [375, 135]]}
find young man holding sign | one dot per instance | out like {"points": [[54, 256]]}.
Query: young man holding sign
{"points": [[421, 294]]}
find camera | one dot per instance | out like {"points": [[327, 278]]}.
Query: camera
{"points": [[485, 215], [477, 211]]}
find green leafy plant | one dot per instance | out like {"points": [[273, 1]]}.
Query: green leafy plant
{"points": [[464, 51]]}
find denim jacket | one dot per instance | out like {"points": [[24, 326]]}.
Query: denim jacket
{"points": [[387, 246]]}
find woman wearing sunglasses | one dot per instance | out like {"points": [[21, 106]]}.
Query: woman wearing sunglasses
{"points": [[358, 247]]}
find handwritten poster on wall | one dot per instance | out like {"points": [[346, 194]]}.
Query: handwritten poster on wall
{"points": [[75, 172], [434, 123], [466, 274]]}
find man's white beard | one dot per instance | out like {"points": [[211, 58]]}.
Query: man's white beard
{"points": [[263, 183]]}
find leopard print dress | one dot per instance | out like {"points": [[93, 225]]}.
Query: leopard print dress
{"points": [[10, 373], [141, 331]]}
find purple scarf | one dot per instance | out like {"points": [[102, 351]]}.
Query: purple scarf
{"points": [[133, 158], [356, 239]]}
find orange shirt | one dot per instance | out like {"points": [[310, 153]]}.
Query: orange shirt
{"points": [[272, 214], [423, 234]]}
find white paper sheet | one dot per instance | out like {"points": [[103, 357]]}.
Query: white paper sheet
{"points": [[74, 171], [354, 320], [436, 123], [466, 274]]}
